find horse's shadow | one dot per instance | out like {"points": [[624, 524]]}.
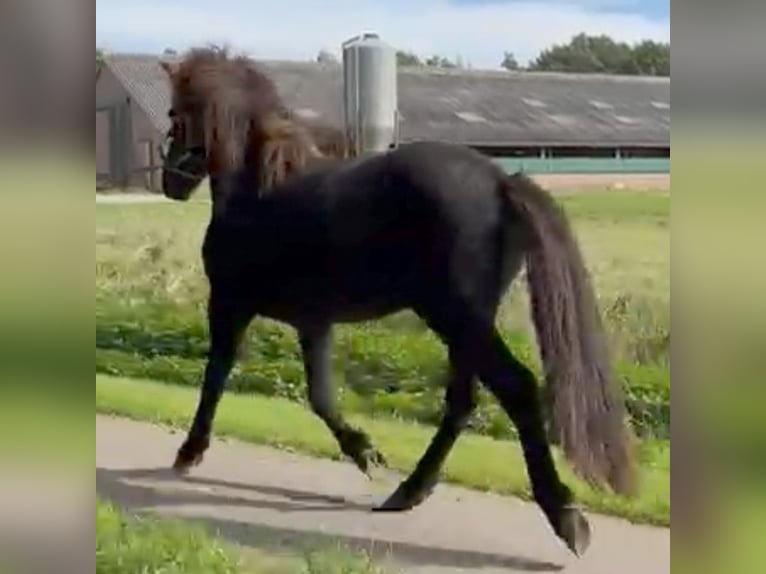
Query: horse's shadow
{"points": [[117, 486]]}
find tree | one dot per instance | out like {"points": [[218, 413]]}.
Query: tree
{"points": [[652, 58], [580, 55], [601, 54], [325, 57], [441, 62], [509, 61], [407, 59], [411, 59]]}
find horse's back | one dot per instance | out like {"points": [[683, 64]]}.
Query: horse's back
{"points": [[419, 201], [374, 234]]}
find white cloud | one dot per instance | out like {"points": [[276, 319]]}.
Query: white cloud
{"points": [[298, 29]]}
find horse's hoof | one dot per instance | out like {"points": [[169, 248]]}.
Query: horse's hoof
{"points": [[358, 447], [574, 530], [397, 502], [404, 499], [183, 463], [376, 459], [368, 460]]}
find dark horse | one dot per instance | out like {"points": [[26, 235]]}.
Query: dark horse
{"points": [[435, 228]]}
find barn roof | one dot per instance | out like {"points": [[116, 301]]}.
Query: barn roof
{"points": [[473, 107]]}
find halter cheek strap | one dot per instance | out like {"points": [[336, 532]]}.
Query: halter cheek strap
{"points": [[173, 168]]}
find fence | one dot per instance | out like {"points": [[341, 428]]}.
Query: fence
{"points": [[574, 165]]}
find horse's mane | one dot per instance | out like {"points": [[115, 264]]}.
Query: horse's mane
{"points": [[331, 141], [288, 148], [246, 122]]}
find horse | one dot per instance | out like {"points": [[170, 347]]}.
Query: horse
{"points": [[436, 228]]}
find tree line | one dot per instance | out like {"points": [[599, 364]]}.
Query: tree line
{"points": [[582, 54]]}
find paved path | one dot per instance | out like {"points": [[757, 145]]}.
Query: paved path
{"points": [[269, 499], [128, 198]]}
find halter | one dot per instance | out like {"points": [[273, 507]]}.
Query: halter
{"points": [[173, 167]]}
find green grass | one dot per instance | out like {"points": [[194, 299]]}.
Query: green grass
{"points": [[129, 544], [150, 317], [379, 369], [477, 461], [126, 544], [152, 253]]}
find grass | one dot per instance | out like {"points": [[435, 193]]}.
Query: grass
{"points": [[128, 544], [477, 461], [152, 252], [150, 296], [379, 369]]}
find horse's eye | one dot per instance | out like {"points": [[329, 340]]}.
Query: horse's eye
{"points": [[172, 114]]}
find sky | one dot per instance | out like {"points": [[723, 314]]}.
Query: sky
{"points": [[478, 31]]}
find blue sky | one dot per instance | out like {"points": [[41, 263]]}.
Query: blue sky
{"points": [[478, 31], [658, 9]]}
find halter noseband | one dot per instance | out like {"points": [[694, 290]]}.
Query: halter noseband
{"points": [[173, 167]]}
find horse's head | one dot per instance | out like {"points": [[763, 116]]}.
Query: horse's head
{"points": [[227, 116], [220, 106], [184, 164]]}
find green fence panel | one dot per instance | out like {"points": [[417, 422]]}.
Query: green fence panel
{"points": [[535, 165]]}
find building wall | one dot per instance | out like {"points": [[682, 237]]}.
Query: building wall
{"points": [[581, 160], [113, 139], [103, 145], [126, 140], [146, 157]]}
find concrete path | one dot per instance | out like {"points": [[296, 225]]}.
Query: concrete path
{"points": [[128, 198], [272, 500]]}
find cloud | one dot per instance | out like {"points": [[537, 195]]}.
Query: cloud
{"points": [[477, 32]]}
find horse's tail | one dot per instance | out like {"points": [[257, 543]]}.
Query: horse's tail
{"points": [[586, 406]]}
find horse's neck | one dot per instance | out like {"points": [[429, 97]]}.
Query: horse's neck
{"points": [[245, 183], [228, 188], [224, 187]]}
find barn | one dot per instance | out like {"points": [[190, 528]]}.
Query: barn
{"points": [[538, 122]]}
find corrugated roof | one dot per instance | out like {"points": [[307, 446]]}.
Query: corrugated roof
{"points": [[146, 82], [471, 107]]}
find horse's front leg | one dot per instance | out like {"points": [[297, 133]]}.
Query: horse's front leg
{"points": [[316, 345], [227, 324]]}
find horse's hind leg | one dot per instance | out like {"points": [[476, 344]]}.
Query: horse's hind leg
{"points": [[227, 325], [515, 387], [451, 315], [316, 345], [460, 401]]}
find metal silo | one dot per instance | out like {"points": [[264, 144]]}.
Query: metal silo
{"points": [[370, 93]]}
